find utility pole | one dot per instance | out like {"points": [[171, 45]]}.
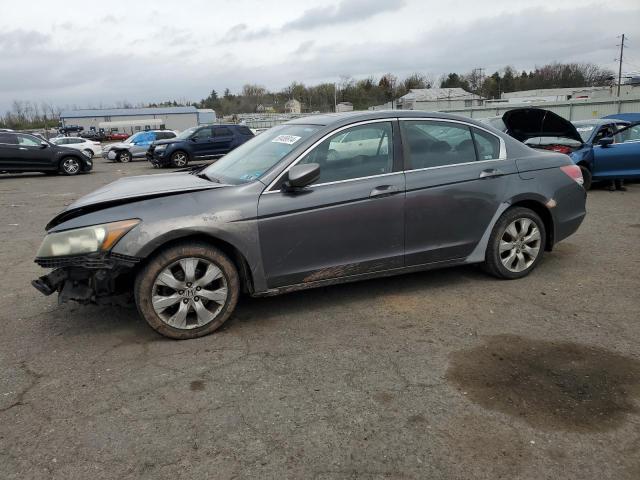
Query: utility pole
{"points": [[335, 97], [620, 64]]}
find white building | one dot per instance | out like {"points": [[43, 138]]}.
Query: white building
{"points": [[344, 107], [434, 99], [173, 118], [293, 106]]}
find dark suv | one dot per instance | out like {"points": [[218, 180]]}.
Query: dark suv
{"points": [[21, 152], [198, 143]]}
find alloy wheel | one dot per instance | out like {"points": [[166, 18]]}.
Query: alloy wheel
{"points": [[125, 157], [189, 293], [520, 245], [179, 159], [71, 166]]}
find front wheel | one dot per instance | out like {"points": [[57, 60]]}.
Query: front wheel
{"points": [[586, 177], [70, 166], [123, 157], [88, 153], [179, 159], [187, 291], [516, 244]]}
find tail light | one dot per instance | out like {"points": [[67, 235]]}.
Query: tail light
{"points": [[559, 148], [574, 172]]}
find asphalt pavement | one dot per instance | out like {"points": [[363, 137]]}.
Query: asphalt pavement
{"points": [[446, 374]]}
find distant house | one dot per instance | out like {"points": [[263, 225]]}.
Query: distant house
{"points": [[344, 107], [434, 99], [261, 108], [293, 106]]}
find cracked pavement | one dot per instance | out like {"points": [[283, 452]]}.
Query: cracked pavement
{"points": [[340, 382]]}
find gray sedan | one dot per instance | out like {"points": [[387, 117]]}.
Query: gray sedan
{"points": [[316, 201]]}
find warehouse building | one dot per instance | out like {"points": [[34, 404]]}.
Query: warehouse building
{"points": [[130, 120]]}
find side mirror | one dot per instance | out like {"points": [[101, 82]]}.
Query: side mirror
{"points": [[193, 139], [44, 144], [605, 142], [302, 175]]}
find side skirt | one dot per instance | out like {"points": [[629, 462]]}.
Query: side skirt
{"points": [[364, 276]]}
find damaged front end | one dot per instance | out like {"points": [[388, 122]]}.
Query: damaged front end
{"points": [[99, 278], [84, 267]]}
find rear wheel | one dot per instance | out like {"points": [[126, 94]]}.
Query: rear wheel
{"points": [[187, 291], [70, 166], [516, 244], [586, 176], [124, 157], [179, 159]]}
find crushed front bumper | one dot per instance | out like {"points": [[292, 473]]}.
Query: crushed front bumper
{"points": [[94, 278]]}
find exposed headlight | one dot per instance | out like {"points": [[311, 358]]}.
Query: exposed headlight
{"points": [[161, 148], [97, 238]]}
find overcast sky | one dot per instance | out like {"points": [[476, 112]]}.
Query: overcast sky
{"points": [[99, 53]]}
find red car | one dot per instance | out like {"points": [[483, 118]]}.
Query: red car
{"points": [[118, 136]]}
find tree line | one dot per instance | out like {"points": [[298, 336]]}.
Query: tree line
{"points": [[362, 93]]}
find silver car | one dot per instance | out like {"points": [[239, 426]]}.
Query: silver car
{"points": [[281, 213], [135, 146]]}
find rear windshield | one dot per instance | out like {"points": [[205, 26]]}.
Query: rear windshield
{"points": [[253, 158]]}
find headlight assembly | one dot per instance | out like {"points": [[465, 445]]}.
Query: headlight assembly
{"points": [[160, 148], [97, 238]]}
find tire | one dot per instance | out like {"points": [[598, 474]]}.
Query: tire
{"points": [[123, 157], [586, 175], [182, 309], [523, 256], [89, 153], [70, 166], [179, 159]]}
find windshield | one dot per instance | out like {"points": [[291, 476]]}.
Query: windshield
{"points": [[584, 131], [252, 159], [186, 133]]}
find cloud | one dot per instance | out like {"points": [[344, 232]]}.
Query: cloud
{"points": [[108, 19], [526, 39], [347, 11], [22, 40]]}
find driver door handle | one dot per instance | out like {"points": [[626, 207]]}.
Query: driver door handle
{"points": [[383, 191], [22, 148], [491, 172]]}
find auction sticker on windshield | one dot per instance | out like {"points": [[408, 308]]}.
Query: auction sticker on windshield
{"points": [[288, 139]]}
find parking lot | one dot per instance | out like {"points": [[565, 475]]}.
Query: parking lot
{"points": [[442, 374]]}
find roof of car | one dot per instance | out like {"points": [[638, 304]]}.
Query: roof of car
{"points": [[598, 121], [349, 117]]}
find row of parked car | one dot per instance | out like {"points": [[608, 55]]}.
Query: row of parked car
{"points": [[604, 149]]}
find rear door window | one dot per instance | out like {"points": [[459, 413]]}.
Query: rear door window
{"points": [[8, 139], [431, 143], [222, 132], [487, 145]]}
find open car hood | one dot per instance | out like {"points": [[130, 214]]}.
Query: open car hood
{"points": [[526, 123], [131, 189]]}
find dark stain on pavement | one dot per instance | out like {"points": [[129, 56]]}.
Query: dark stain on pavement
{"points": [[196, 386], [549, 385]]}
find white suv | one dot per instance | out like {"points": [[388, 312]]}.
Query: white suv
{"points": [[88, 147]]}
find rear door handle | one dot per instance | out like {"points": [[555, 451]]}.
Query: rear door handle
{"points": [[383, 190], [491, 172]]}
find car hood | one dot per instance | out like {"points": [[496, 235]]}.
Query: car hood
{"points": [[525, 123], [117, 145], [131, 189]]}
